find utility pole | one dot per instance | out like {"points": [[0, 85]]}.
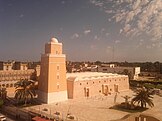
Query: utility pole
{"points": [[113, 51]]}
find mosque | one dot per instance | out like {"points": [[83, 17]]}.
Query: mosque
{"points": [[56, 85]]}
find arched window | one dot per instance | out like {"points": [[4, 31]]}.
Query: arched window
{"points": [[3, 85], [11, 85], [58, 67], [7, 85]]}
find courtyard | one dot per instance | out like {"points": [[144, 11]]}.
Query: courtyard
{"points": [[95, 108]]}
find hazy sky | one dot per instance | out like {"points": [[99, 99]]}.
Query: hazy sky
{"points": [[105, 30]]}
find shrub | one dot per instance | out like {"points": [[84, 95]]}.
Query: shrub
{"points": [[148, 85], [1, 102], [159, 86]]}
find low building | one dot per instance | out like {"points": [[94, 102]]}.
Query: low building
{"points": [[9, 78], [21, 66], [6, 65], [132, 72], [12, 72], [87, 84]]}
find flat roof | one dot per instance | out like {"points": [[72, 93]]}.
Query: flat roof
{"points": [[90, 75]]}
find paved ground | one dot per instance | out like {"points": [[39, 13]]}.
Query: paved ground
{"points": [[94, 108]]}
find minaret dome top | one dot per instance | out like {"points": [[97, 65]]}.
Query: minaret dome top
{"points": [[54, 40]]}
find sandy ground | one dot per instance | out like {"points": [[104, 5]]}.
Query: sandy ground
{"points": [[94, 108]]}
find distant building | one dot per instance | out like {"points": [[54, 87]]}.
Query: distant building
{"points": [[88, 84], [6, 66], [21, 66], [10, 77], [12, 72], [132, 72]]}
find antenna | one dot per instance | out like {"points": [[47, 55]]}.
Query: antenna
{"points": [[113, 51]]}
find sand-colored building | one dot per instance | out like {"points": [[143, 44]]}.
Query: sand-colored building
{"points": [[52, 86], [132, 72], [87, 84], [12, 72], [10, 77], [21, 66], [6, 66], [55, 85]]}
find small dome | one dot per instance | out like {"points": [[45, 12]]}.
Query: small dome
{"points": [[54, 40]]}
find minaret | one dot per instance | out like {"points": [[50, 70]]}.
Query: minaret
{"points": [[52, 86]]}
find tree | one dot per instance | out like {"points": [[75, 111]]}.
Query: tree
{"points": [[143, 96], [126, 72], [3, 93], [25, 91], [1, 102]]}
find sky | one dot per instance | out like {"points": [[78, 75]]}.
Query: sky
{"points": [[90, 30]]}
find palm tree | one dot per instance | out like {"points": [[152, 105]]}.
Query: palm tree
{"points": [[3, 93], [143, 96], [24, 90]]}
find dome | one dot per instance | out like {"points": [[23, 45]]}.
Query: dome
{"points": [[54, 40]]}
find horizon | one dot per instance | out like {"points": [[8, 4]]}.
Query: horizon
{"points": [[90, 30], [106, 62]]}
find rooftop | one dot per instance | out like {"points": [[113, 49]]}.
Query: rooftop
{"points": [[90, 75]]}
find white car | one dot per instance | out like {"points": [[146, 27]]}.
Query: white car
{"points": [[2, 118]]}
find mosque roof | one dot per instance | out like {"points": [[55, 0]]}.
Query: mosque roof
{"points": [[90, 76]]}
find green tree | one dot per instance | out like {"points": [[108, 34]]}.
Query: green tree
{"points": [[1, 102], [143, 96], [126, 72], [3, 93], [25, 91]]}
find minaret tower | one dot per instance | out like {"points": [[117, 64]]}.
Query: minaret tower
{"points": [[52, 86]]}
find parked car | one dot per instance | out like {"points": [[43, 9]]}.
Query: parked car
{"points": [[2, 118]]}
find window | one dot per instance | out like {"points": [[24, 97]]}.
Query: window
{"points": [[80, 83], [87, 82], [7, 68], [105, 69], [93, 82], [11, 85], [3, 85], [99, 81], [58, 67], [7, 85], [56, 52], [58, 86], [58, 76]]}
